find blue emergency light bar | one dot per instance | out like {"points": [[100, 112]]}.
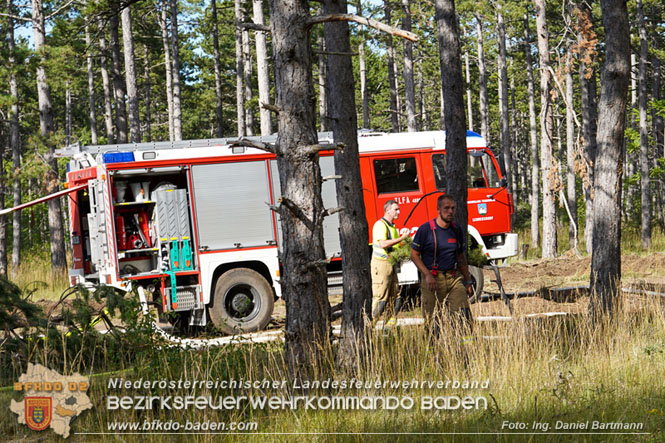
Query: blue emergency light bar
{"points": [[118, 157]]}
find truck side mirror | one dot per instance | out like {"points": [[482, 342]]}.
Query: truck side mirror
{"points": [[503, 182]]}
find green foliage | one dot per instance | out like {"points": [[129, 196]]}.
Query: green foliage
{"points": [[401, 252], [476, 256], [16, 311]]}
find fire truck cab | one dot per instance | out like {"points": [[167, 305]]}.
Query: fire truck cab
{"points": [[189, 222]]}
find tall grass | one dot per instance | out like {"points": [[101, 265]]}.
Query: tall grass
{"points": [[545, 370], [630, 241]]}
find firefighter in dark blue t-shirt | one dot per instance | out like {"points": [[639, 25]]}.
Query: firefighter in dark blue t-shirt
{"points": [[438, 252]]}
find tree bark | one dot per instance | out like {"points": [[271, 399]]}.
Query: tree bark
{"points": [[55, 224], [645, 181], [586, 38], [118, 80], [106, 86], [571, 190], [130, 76], [362, 68], [323, 85], [219, 117], [453, 94], [148, 100], [392, 72], [14, 143], [247, 82], [240, 74], [605, 279], [409, 84], [166, 43], [482, 82], [353, 223], [175, 75], [504, 121], [549, 243], [92, 112], [469, 103], [304, 282], [263, 76], [3, 218], [68, 112]]}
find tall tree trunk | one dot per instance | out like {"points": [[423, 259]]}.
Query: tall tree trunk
{"points": [[469, 103], [240, 73], [118, 80], [353, 228], [148, 100], [571, 191], [14, 142], [106, 86], [482, 82], [533, 138], [323, 85], [549, 244], [657, 118], [304, 282], [631, 160], [68, 112], [589, 115], [175, 76], [362, 67], [605, 279], [55, 224], [92, 112], [166, 43], [247, 63], [263, 76], [409, 84], [219, 117], [130, 76], [645, 181], [453, 91], [3, 218], [392, 71], [506, 147]]}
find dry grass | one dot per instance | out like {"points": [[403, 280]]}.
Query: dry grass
{"points": [[564, 369]]}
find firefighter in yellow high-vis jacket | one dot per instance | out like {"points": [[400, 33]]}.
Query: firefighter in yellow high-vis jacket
{"points": [[384, 275]]}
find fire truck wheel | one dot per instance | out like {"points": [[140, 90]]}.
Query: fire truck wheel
{"points": [[243, 302], [478, 283]]}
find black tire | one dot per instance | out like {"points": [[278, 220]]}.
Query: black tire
{"points": [[242, 302], [478, 283]]}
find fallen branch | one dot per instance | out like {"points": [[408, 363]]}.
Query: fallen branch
{"points": [[363, 21]]}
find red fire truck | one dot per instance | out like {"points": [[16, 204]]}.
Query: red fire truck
{"points": [[189, 222]]}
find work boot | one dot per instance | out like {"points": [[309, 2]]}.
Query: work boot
{"points": [[379, 307], [398, 305]]}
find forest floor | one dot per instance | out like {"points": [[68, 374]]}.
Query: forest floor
{"points": [[537, 276], [530, 280]]}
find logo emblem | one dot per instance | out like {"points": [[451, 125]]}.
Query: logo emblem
{"points": [[38, 412], [482, 208]]}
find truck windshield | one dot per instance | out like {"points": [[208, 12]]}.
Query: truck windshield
{"points": [[481, 172]]}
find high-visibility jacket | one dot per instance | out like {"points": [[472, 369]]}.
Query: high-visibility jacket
{"points": [[382, 230]]}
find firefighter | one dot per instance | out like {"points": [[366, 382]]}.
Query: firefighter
{"points": [[384, 274], [438, 252]]}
